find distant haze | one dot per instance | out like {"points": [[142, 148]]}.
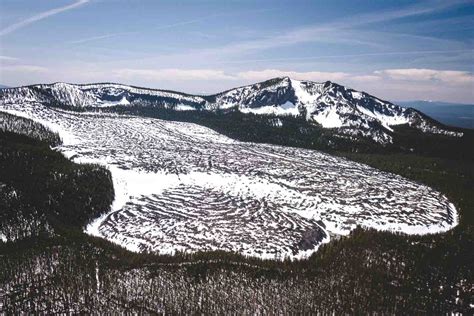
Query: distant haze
{"points": [[460, 115]]}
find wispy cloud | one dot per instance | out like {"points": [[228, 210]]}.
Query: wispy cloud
{"points": [[160, 27], [338, 56], [309, 75], [167, 26], [391, 84], [218, 75], [349, 31], [419, 74], [43, 15], [452, 77], [99, 37], [409, 11], [7, 58], [24, 68], [207, 17], [173, 74]]}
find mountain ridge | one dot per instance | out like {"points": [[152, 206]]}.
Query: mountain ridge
{"points": [[350, 112]]}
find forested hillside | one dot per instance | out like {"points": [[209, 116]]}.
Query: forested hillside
{"points": [[296, 132], [42, 192], [48, 265]]}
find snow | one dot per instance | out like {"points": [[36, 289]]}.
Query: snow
{"points": [[328, 104], [183, 107], [286, 109], [183, 187], [122, 101], [66, 136], [357, 95], [89, 95], [304, 97], [277, 122], [97, 280], [385, 120], [328, 119]]}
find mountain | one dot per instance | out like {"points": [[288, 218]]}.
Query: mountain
{"points": [[157, 185], [3, 86], [453, 114], [349, 113]]}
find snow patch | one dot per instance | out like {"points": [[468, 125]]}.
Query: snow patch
{"points": [[183, 107], [385, 120], [286, 109], [357, 95], [328, 119], [122, 101]]}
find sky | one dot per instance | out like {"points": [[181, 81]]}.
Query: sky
{"points": [[396, 50]]}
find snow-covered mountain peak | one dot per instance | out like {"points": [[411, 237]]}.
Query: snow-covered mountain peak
{"points": [[349, 112]]}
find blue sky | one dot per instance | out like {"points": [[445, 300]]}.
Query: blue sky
{"points": [[397, 50]]}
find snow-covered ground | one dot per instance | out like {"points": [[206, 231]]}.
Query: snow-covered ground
{"points": [[183, 187]]}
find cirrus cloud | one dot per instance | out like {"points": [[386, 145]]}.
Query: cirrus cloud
{"points": [[41, 16], [7, 58], [173, 74], [422, 74], [24, 68]]}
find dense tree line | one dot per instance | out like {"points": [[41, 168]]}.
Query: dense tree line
{"points": [[366, 272], [40, 190], [297, 132], [23, 126], [66, 271]]}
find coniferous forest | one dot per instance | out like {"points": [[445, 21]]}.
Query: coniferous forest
{"points": [[48, 265]]}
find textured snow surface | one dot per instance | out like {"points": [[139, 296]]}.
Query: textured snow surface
{"points": [[183, 187]]}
